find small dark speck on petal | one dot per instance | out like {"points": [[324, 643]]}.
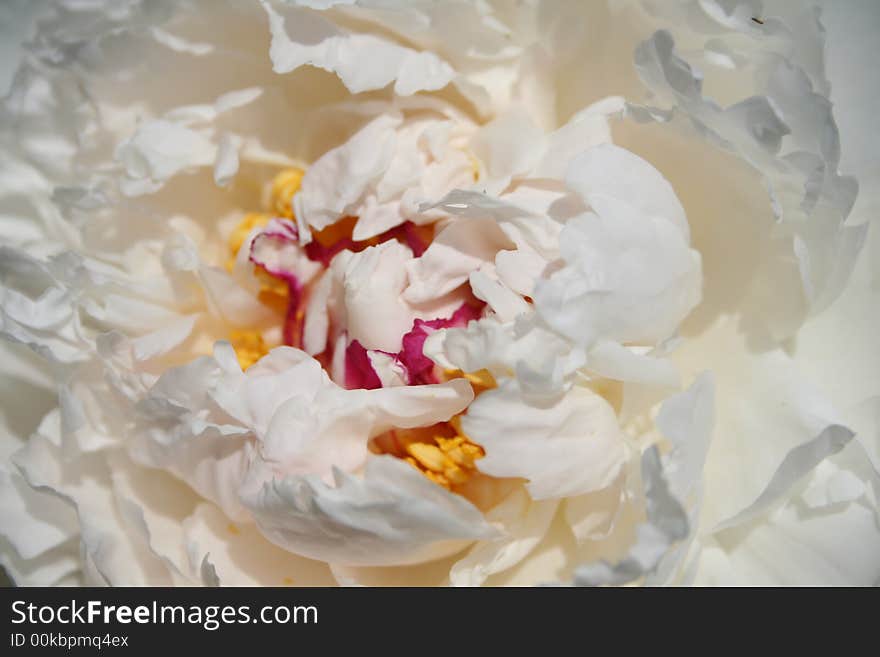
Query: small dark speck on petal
{"points": [[758, 20]]}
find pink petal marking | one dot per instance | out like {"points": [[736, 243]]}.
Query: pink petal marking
{"points": [[359, 371], [284, 234], [405, 232], [293, 318], [317, 252], [420, 368]]}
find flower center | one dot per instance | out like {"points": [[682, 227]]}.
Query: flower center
{"points": [[442, 452]]}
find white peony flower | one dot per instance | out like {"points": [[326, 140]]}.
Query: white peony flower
{"points": [[439, 293]]}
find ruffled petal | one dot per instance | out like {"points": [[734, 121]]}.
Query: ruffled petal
{"points": [[563, 448], [524, 521], [394, 515], [627, 277], [362, 61], [241, 556]]}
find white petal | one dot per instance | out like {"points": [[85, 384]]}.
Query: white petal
{"points": [[159, 150], [798, 462], [159, 504], [543, 362], [277, 249], [373, 283], [627, 277], [565, 448], [180, 429], [525, 522], [394, 515], [59, 567], [241, 556], [665, 524], [687, 420], [114, 546], [226, 160], [614, 361], [362, 61], [317, 320], [586, 129], [34, 521], [592, 516], [504, 303], [231, 302], [765, 411], [607, 175], [456, 251], [793, 548], [338, 182], [510, 146], [327, 427]]}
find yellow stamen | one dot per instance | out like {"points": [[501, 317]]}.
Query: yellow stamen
{"points": [[274, 292], [460, 450], [429, 456], [284, 186], [481, 380], [446, 460], [249, 347], [443, 452]]}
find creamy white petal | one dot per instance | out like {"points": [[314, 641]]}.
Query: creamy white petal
{"points": [[58, 567], [797, 547], [327, 427], [226, 160], [627, 277], [241, 556], [34, 521], [373, 285], [524, 523], [337, 183], [592, 516], [614, 361], [760, 394], [798, 462], [565, 447], [456, 251], [118, 553], [181, 429], [362, 61], [158, 504], [159, 150], [394, 515], [665, 524], [606, 175]]}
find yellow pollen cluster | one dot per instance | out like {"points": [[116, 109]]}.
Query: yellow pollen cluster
{"points": [[249, 347], [443, 453], [284, 186], [481, 380], [446, 461]]}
